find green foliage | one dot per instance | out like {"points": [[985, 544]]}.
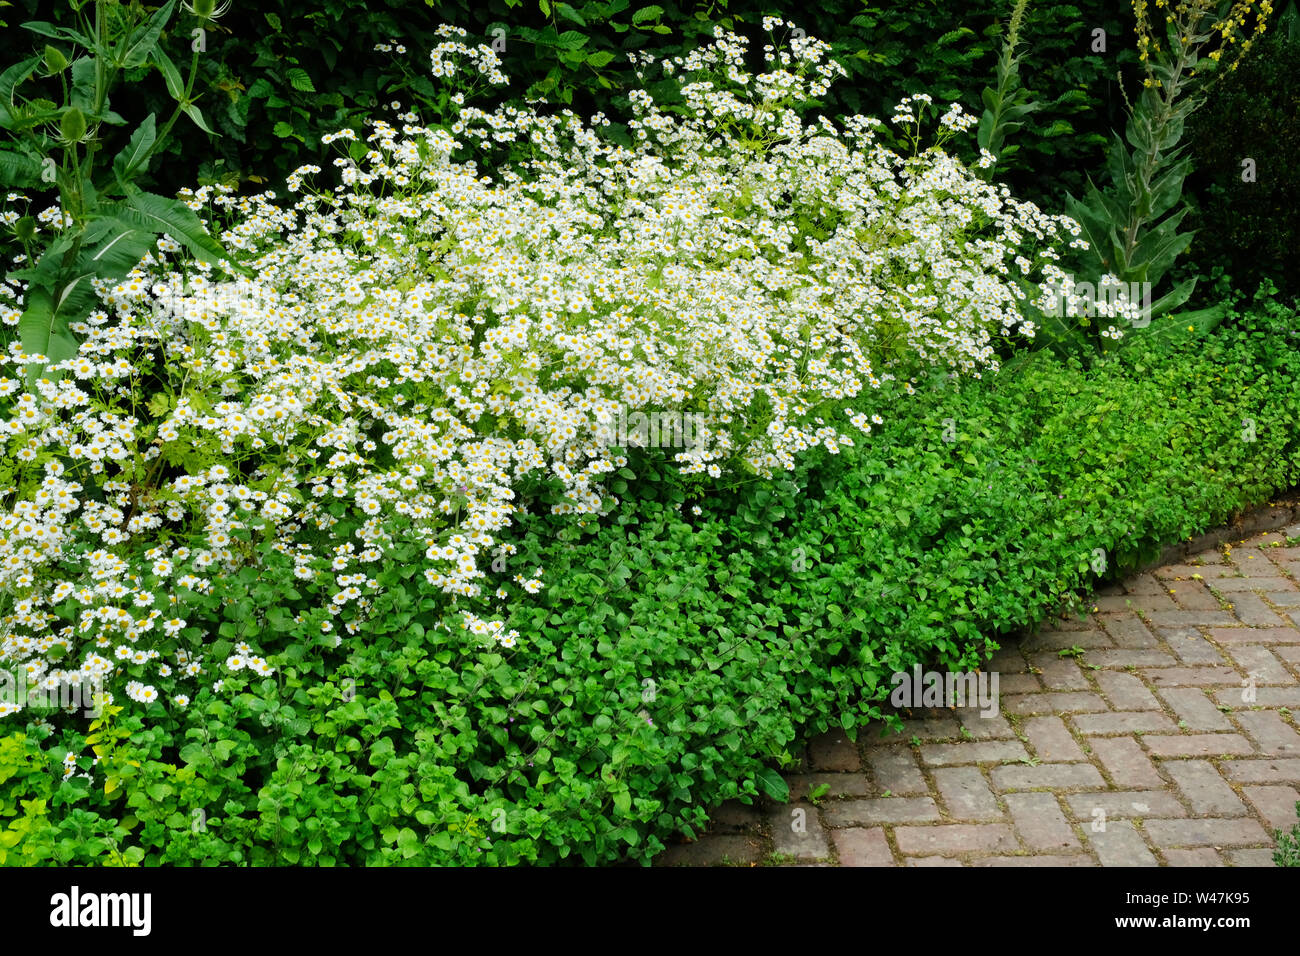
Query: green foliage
{"points": [[255, 82], [1248, 228], [108, 223], [679, 658], [1288, 845]]}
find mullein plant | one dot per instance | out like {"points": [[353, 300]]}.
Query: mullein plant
{"points": [[103, 223], [1007, 104], [1133, 226]]}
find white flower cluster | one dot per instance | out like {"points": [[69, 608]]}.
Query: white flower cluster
{"points": [[422, 340]]}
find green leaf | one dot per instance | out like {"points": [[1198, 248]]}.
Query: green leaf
{"points": [[136, 154], [160, 215], [299, 80], [145, 39], [566, 11], [42, 27], [192, 111], [9, 80], [18, 170], [119, 254], [647, 13], [599, 58], [772, 784], [171, 76], [83, 83], [42, 331]]}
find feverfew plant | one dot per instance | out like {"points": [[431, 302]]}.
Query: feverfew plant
{"points": [[426, 348]]}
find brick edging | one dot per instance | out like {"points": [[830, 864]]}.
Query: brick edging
{"points": [[1283, 511]]}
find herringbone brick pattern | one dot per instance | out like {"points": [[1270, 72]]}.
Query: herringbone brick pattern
{"points": [[1160, 731]]}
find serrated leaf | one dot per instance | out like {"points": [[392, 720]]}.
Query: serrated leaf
{"points": [[42, 331], [299, 80], [18, 171], [83, 83], [160, 215], [566, 11], [119, 254], [9, 80], [647, 13]]}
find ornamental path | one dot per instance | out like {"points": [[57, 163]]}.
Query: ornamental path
{"points": [[1161, 731]]}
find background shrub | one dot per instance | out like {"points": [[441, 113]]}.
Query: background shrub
{"points": [[1248, 229]]}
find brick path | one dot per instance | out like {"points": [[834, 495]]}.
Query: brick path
{"points": [[1139, 745]]}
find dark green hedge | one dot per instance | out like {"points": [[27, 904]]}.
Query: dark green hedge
{"points": [[278, 75], [1248, 229]]}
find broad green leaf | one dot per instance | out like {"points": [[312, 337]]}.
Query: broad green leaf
{"points": [[43, 332], [192, 111], [1161, 245], [171, 76], [299, 80], [83, 83], [1168, 187], [159, 215], [42, 27], [120, 253], [647, 13], [1173, 299], [144, 40], [18, 170], [135, 156], [773, 785], [566, 11], [9, 80]]}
